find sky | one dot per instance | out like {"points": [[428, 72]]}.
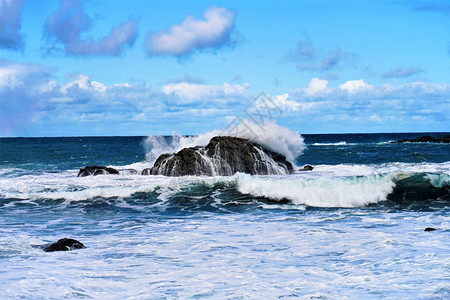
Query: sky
{"points": [[135, 67]]}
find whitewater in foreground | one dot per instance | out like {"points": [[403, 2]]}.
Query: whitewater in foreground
{"points": [[351, 228]]}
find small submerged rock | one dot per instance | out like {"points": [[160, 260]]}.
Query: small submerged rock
{"points": [[307, 168], [96, 170], [64, 244], [146, 171]]}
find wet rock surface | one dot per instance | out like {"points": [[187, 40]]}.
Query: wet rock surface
{"points": [[96, 170], [425, 139], [64, 244], [307, 168], [223, 156]]}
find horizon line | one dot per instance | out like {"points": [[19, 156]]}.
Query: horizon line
{"points": [[102, 136]]}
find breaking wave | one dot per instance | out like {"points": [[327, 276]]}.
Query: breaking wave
{"points": [[270, 135], [362, 186]]}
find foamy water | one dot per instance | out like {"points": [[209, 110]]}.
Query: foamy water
{"points": [[353, 228], [352, 254], [325, 186]]}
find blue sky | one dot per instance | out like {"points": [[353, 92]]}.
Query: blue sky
{"points": [[135, 67]]}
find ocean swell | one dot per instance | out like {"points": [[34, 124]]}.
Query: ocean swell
{"points": [[401, 190]]}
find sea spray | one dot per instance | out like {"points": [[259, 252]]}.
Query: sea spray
{"points": [[223, 156], [268, 134]]}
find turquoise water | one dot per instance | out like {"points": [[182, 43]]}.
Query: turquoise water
{"points": [[351, 228]]}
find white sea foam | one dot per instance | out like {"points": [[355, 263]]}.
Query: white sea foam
{"points": [[71, 188], [331, 144], [270, 135], [340, 185], [325, 186], [319, 192], [228, 256]]}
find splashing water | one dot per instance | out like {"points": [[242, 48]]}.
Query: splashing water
{"points": [[269, 134]]}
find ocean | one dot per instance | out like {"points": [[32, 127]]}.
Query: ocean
{"points": [[352, 228]]}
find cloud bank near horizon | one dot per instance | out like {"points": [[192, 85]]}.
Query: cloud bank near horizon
{"points": [[90, 104]]}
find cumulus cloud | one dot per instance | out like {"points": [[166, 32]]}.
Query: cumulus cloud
{"points": [[10, 35], [402, 71], [34, 102], [65, 27], [187, 92], [20, 94], [358, 106], [285, 103], [308, 58], [317, 87], [355, 86], [29, 95], [191, 35]]}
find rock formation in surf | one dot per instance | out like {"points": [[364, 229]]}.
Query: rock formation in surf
{"points": [[223, 156], [426, 139], [307, 168], [64, 244], [96, 170]]}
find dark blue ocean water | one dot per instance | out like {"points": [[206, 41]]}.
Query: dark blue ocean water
{"points": [[75, 152], [351, 228]]}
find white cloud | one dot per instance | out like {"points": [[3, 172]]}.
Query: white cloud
{"points": [[9, 78], [14, 75], [375, 118], [188, 92], [355, 86], [67, 24], [317, 87], [285, 103], [10, 36], [81, 81], [356, 106], [98, 86], [80, 103], [192, 34]]}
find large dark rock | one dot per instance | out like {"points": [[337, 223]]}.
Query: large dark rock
{"points": [[96, 170], [64, 244], [425, 139], [223, 156]]}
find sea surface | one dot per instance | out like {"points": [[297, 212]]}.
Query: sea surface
{"points": [[353, 228]]}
